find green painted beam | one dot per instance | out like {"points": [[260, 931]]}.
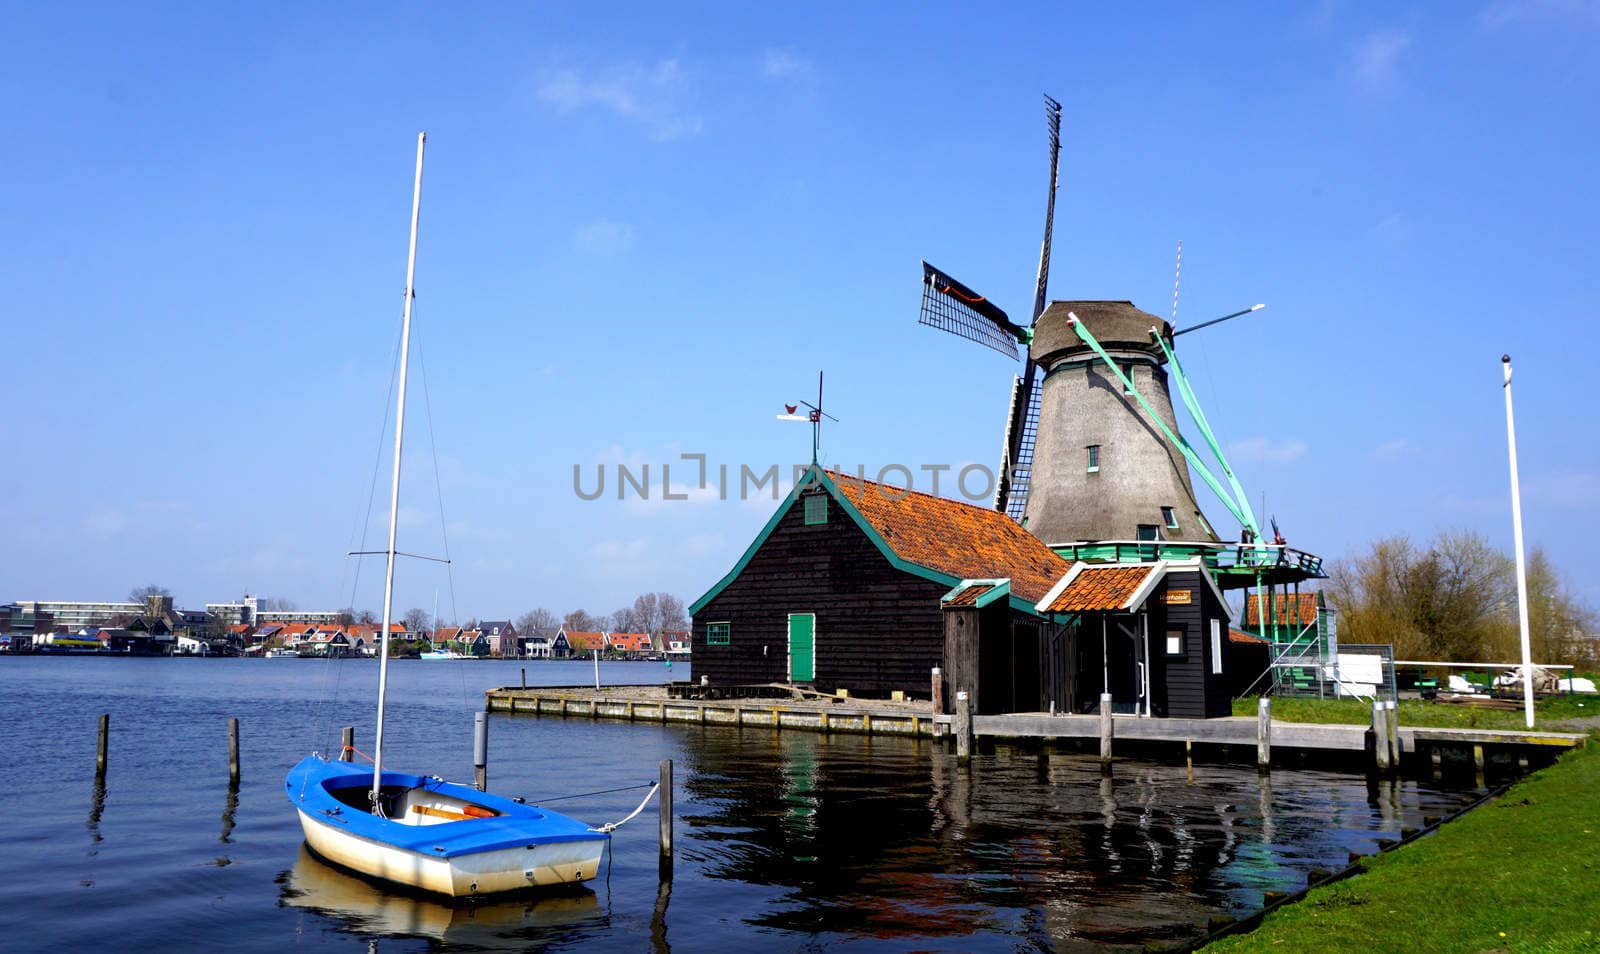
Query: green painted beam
{"points": [[1193, 404]]}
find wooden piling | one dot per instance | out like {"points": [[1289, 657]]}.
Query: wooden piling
{"points": [[1392, 723], [1105, 730], [962, 725], [233, 751], [1380, 738], [664, 803], [938, 691], [100, 750], [347, 744], [524, 677], [480, 751], [1264, 734]]}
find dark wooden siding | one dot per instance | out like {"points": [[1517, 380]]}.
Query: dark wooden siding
{"points": [[878, 628], [1192, 691]]}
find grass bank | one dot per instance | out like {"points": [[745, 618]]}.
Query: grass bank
{"points": [[1549, 713], [1521, 874]]}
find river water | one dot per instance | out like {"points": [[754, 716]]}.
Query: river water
{"points": [[789, 840]]}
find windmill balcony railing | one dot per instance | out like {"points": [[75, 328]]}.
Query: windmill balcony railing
{"points": [[1237, 557]]}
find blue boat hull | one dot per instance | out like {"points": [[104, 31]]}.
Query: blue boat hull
{"points": [[438, 836]]}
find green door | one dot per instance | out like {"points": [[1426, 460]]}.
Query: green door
{"points": [[802, 647]]}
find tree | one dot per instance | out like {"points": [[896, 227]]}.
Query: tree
{"points": [[581, 621], [1456, 601], [275, 604], [624, 620], [539, 618], [647, 612], [673, 615], [142, 594], [416, 620], [365, 617]]}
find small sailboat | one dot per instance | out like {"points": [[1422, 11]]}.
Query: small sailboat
{"points": [[419, 830]]}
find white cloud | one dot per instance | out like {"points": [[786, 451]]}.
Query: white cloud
{"points": [[786, 64], [1375, 62], [627, 550], [1266, 450], [604, 235], [660, 98], [1392, 450], [1561, 13]]}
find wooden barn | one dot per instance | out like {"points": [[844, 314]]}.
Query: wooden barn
{"points": [[867, 587], [842, 589]]}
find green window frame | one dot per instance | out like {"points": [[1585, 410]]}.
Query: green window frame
{"points": [[1094, 458], [816, 507], [718, 634], [1169, 516]]}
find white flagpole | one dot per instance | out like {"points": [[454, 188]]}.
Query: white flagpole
{"points": [[1522, 569]]}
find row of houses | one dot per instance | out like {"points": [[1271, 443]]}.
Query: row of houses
{"points": [[562, 643]]}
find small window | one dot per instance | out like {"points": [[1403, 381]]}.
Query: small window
{"points": [[1127, 372], [1149, 531], [1203, 525], [1216, 647], [717, 633], [816, 509], [1174, 642], [1094, 458], [1169, 517]]}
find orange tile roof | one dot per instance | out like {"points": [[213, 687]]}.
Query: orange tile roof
{"points": [[446, 633], [1100, 588], [954, 538], [1284, 608], [632, 642], [584, 642], [1239, 636], [969, 596]]}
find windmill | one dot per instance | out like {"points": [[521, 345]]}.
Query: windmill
{"points": [[1092, 449]]}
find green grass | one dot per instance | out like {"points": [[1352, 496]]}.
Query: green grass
{"points": [[1520, 874], [1548, 713]]}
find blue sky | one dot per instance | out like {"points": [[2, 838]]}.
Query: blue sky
{"points": [[646, 227]]}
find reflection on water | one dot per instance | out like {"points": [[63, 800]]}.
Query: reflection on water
{"points": [[784, 839], [901, 841], [510, 924]]}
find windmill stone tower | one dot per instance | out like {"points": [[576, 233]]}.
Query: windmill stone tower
{"points": [[1100, 471]]}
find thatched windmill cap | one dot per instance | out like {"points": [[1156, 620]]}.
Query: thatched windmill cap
{"points": [[1117, 325]]}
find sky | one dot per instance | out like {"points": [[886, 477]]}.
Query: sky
{"points": [[647, 227]]}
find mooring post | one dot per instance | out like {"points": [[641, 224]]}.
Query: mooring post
{"points": [[480, 751], [233, 751], [1391, 717], [664, 802], [347, 744], [1264, 734], [1188, 757], [963, 726], [1380, 737], [597, 670], [100, 750], [524, 677], [1105, 730], [938, 691]]}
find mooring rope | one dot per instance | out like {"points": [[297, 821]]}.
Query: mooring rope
{"points": [[610, 827]]}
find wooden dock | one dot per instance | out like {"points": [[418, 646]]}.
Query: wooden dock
{"points": [[916, 720]]}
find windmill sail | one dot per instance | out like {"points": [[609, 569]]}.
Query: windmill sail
{"points": [[1011, 491], [951, 306]]}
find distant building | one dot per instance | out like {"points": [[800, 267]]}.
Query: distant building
{"points": [[502, 637], [330, 617], [544, 643], [631, 644], [75, 615], [581, 643]]}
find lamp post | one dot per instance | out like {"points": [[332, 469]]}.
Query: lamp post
{"points": [[1522, 570]]}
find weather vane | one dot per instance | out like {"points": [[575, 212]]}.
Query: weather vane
{"points": [[815, 417]]}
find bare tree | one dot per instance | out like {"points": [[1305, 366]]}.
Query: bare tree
{"points": [[580, 620], [142, 594], [416, 620], [275, 604], [673, 617], [366, 617], [539, 618], [647, 612]]}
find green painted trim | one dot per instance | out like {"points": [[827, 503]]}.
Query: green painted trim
{"points": [[1177, 440], [1193, 403], [1002, 587]]}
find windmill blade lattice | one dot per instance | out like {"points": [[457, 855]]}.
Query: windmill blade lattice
{"points": [[1018, 474], [951, 306]]}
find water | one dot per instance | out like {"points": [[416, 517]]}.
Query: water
{"points": [[791, 840]]}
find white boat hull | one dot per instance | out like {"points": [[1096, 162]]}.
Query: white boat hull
{"points": [[487, 872]]}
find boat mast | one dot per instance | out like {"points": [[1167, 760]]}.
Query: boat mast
{"points": [[394, 485]]}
